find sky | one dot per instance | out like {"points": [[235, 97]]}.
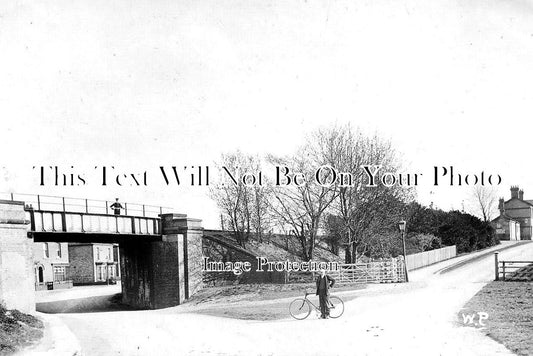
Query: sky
{"points": [[137, 85]]}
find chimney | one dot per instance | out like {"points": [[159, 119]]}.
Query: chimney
{"points": [[501, 206], [514, 192], [521, 194]]}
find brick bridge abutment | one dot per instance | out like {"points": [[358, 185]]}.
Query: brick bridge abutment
{"points": [[155, 274], [17, 277], [164, 273]]}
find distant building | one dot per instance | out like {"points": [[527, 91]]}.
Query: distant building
{"points": [[51, 263], [92, 263], [515, 220], [506, 228]]}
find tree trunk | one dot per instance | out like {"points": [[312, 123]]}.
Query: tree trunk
{"points": [[348, 254]]}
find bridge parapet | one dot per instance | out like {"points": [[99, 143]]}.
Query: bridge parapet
{"points": [[82, 205], [61, 221]]}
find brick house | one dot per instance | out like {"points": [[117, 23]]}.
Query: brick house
{"points": [[51, 263], [515, 220], [93, 263], [506, 228]]}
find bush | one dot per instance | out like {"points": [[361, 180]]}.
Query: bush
{"points": [[17, 330], [422, 242], [465, 231]]}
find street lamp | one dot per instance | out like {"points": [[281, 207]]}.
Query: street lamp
{"points": [[401, 225]]}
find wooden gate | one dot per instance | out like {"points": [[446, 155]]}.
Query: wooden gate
{"points": [[382, 271]]}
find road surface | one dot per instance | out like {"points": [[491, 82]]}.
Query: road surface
{"points": [[419, 318]]}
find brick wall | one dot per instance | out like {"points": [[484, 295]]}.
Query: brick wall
{"points": [[81, 269], [164, 273], [17, 288], [135, 259], [150, 274], [195, 261]]}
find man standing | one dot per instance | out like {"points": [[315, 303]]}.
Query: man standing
{"points": [[323, 284], [116, 206]]}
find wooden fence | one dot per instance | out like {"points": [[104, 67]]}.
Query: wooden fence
{"points": [[513, 270], [382, 271], [427, 258]]}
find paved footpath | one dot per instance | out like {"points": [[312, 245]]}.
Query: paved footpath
{"points": [[418, 318]]}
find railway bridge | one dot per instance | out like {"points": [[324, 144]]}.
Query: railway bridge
{"points": [[161, 251]]}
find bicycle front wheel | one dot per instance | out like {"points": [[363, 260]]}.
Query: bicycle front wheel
{"points": [[336, 307], [299, 309]]}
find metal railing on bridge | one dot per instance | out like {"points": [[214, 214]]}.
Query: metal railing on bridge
{"points": [[80, 205], [62, 214], [53, 221]]}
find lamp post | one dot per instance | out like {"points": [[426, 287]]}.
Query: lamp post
{"points": [[401, 225]]}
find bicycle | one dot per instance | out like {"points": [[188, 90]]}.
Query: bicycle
{"points": [[300, 308]]}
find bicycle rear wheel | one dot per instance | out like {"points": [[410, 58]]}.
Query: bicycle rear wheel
{"points": [[299, 309], [336, 307]]}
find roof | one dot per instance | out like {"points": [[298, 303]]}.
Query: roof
{"points": [[529, 202], [504, 216]]}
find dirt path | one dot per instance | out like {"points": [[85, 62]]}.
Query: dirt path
{"points": [[419, 318]]}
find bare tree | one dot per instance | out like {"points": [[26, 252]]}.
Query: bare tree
{"points": [[300, 207], [261, 216], [363, 210], [483, 202], [243, 207]]}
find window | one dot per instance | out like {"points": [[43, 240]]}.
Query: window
{"points": [[59, 254], [98, 253], [101, 273], [46, 251], [40, 274], [60, 273]]}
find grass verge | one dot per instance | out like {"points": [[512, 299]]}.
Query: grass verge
{"points": [[256, 301], [18, 330], [510, 314]]}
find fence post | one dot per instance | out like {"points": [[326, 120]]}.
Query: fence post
{"points": [[64, 221], [496, 271], [32, 219], [503, 270]]}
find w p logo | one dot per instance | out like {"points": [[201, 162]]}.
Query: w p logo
{"points": [[474, 319]]}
